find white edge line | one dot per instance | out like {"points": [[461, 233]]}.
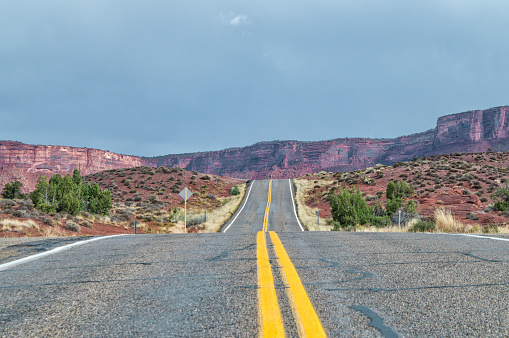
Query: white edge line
{"points": [[6, 266], [245, 202], [293, 203], [468, 235], [495, 238]]}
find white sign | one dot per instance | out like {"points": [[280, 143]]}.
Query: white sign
{"points": [[183, 194]]}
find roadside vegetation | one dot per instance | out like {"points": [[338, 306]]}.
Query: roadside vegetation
{"points": [[447, 193], [110, 202]]}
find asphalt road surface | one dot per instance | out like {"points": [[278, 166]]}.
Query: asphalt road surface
{"points": [[212, 285]]}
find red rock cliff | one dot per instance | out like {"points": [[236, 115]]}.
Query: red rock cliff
{"points": [[471, 131], [25, 162]]}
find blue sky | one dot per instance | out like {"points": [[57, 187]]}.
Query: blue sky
{"points": [[158, 77]]}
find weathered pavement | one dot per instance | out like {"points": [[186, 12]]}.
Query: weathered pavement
{"points": [[203, 285]]}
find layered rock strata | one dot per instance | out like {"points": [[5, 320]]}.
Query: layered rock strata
{"points": [[472, 131]]}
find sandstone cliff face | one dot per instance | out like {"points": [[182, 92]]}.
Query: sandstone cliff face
{"points": [[25, 162], [472, 131]]}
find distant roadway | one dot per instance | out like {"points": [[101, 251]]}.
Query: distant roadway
{"points": [[262, 275]]}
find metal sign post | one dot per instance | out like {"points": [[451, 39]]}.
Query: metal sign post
{"points": [[185, 194]]}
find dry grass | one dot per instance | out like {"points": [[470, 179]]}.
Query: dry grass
{"points": [[446, 222], [17, 225], [362, 228], [503, 229], [307, 215], [52, 232], [217, 217]]}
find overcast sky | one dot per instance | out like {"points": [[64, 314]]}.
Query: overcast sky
{"points": [[171, 76]]}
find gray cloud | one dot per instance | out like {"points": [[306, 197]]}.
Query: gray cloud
{"points": [[165, 77]]}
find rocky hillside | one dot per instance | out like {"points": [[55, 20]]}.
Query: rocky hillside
{"points": [[468, 132], [146, 195], [472, 131], [462, 183]]}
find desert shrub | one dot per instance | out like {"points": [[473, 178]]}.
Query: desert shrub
{"points": [[369, 181], [235, 191], [396, 193], [379, 174], [71, 226], [484, 199], [349, 208], [152, 198], [395, 204], [26, 204], [87, 224], [397, 189], [472, 216], [7, 203], [195, 220], [205, 178], [13, 190], [21, 214], [69, 194], [423, 225], [49, 221], [501, 196]]}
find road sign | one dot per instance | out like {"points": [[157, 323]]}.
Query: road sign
{"points": [[185, 194]]}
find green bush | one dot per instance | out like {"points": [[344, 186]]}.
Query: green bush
{"points": [[13, 190], [396, 193], [397, 189], [69, 194], [349, 208], [423, 226], [235, 191], [501, 195]]}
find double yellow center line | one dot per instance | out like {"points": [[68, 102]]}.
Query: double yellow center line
{"points": [[267, 209], [271, 324]]}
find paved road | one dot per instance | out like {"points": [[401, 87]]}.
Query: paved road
{"points": [[207, 285]]}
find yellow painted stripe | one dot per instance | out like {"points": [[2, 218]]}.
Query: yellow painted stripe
{"points": [[271, 324], [267, 209], [308, 323]]}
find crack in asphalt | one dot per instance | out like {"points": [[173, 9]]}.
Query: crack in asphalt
{"points": [[376, 321], [225, 253], [480, 258]]}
